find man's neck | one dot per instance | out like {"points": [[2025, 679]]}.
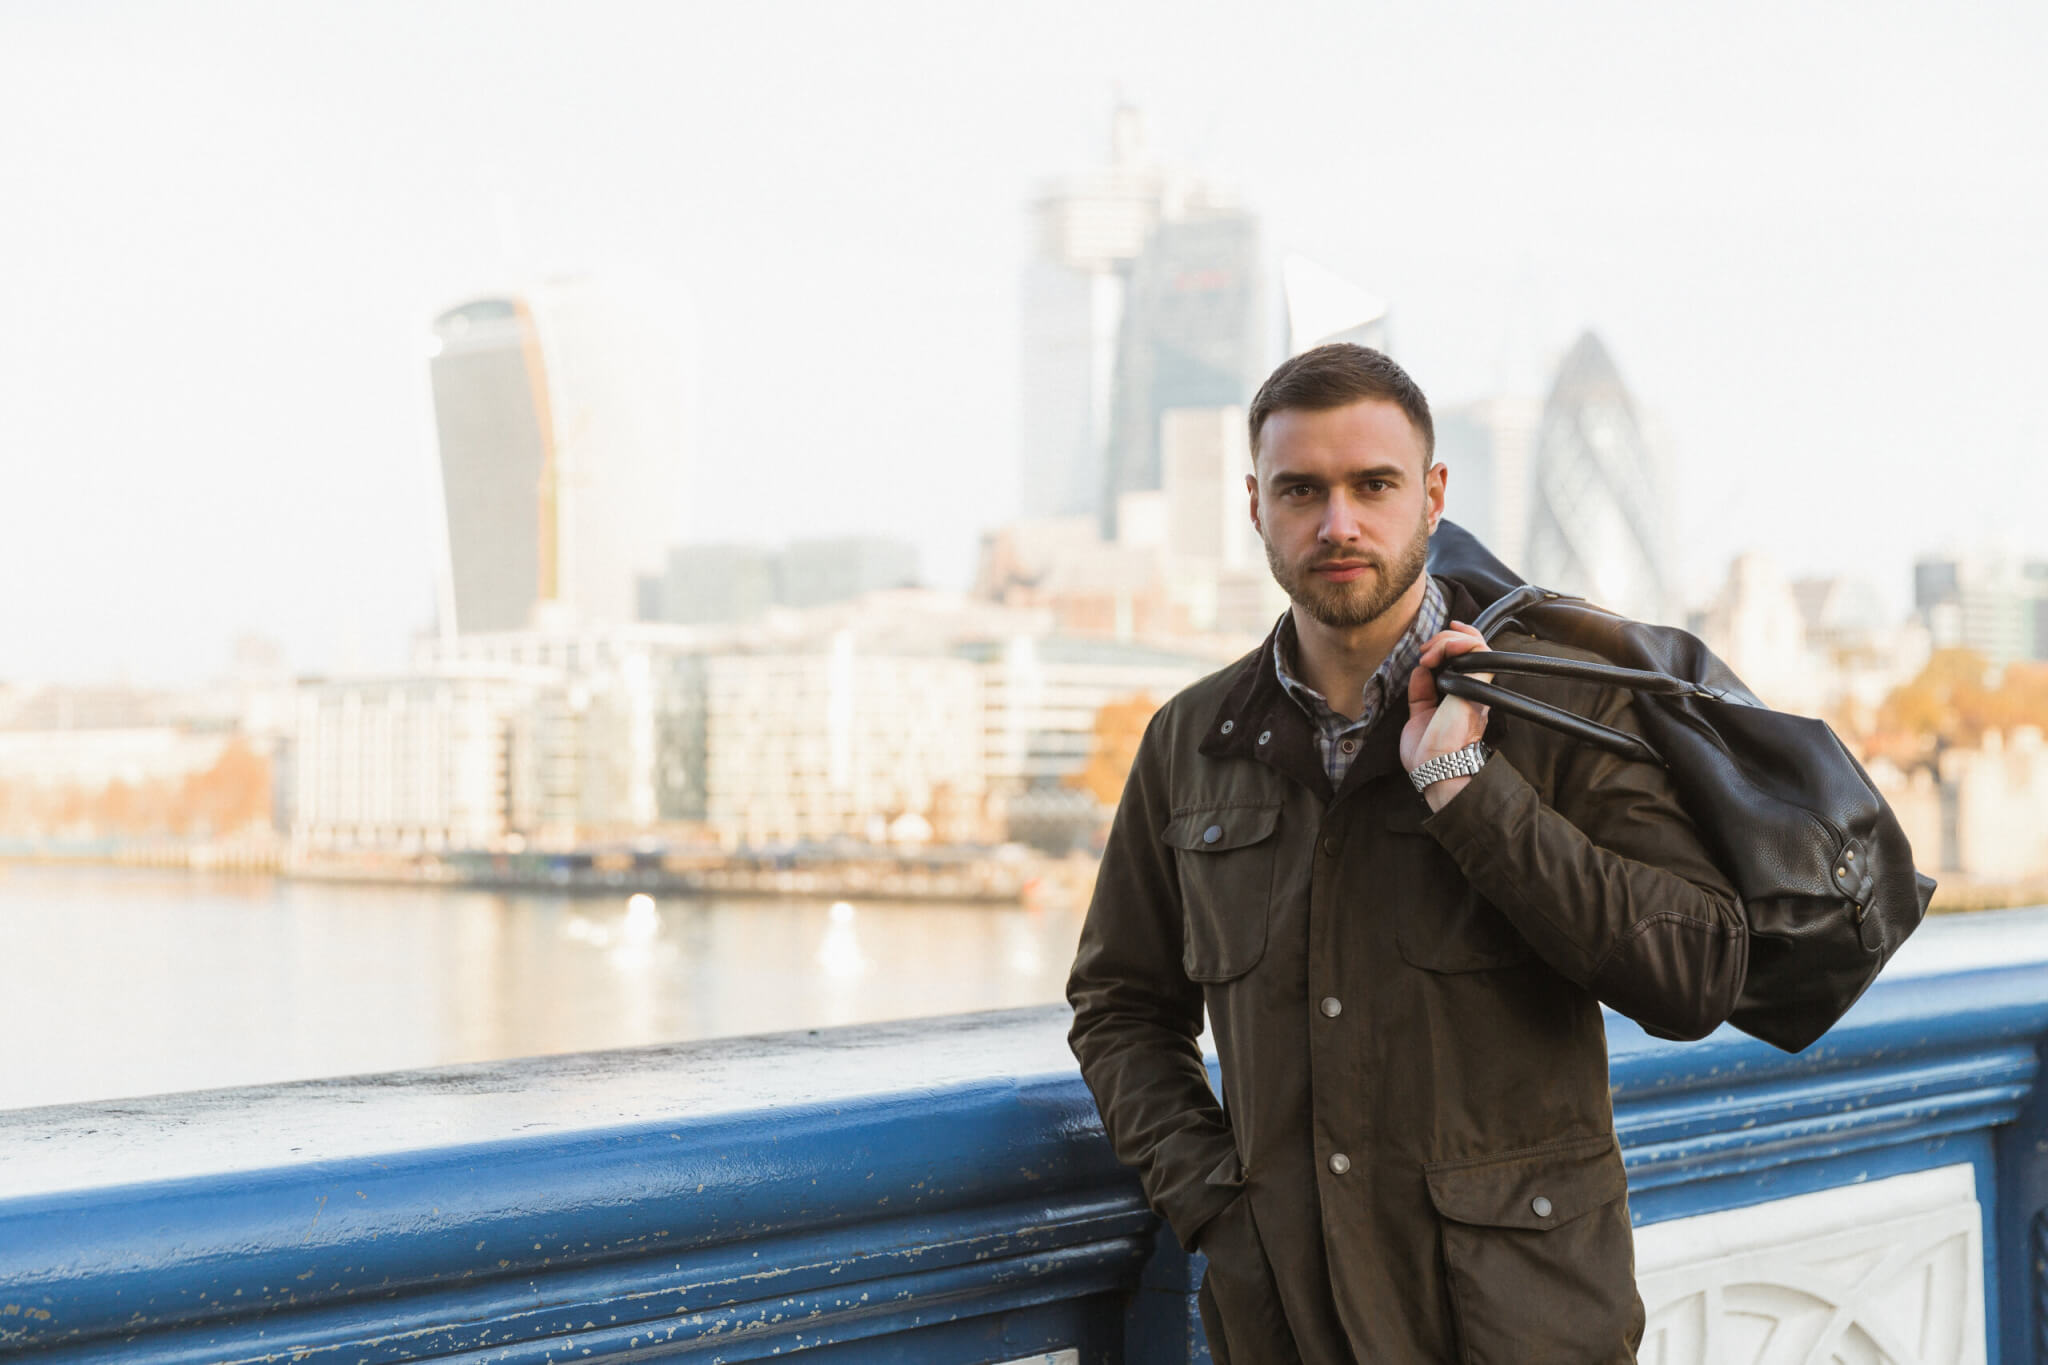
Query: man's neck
{"points": [[1338, 662]]}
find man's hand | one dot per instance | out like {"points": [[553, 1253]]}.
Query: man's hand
{"points": [[1441, 724]]}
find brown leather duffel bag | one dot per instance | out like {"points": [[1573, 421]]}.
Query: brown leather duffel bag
{"points": [[1824, 869]]}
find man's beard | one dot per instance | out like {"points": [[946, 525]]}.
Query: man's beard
{"points": [[1346, 606]]}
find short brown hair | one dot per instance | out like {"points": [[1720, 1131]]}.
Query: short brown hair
{"points": [[1336, 374]]}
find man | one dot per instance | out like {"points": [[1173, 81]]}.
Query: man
{"points": [[1417, 1160]]}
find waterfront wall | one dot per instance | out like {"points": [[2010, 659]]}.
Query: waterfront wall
{"points": [[940, 1191]]}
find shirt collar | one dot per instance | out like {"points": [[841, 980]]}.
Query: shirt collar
{"points": [[1429, 619]]}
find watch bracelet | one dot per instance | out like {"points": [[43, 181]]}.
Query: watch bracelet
{"points": [[1461, 762]]}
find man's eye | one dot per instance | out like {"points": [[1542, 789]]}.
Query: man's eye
{"points": [[1299, 490], [1378, 485]]}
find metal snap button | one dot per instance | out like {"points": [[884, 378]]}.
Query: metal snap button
{"points": [[1212, 834], [1228, 726], [1540, 1206], [1332, 1006], [1265, 735], [1340, 1163]]}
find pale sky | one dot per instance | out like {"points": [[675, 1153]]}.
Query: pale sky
{"points": [[1814, 238]]}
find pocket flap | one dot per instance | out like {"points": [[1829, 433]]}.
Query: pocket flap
{"points": [[1219, 829], [1228, 1172], [1537, 1189]]}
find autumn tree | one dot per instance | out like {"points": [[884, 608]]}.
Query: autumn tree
{"points": [[1955, 699], [231, 796], [227, 798], [1119, 725]]}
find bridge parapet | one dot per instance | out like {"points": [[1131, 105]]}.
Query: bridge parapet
{"points": [[939, 1190]]}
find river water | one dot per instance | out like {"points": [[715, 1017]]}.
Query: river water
{"points": [[118, 982], [121, 982]]}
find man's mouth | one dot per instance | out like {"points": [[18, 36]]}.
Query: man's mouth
{"points": [[1340, 570]]}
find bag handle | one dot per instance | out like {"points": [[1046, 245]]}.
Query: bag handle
{"points": [[1551, 666], [1504, 607], [1502, 613], [1451, 680], [1557, 718]]}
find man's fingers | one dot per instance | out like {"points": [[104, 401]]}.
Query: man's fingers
{"points": [[1421, 683], [1456, 638]]}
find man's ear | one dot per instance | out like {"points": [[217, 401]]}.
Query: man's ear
{"points": [[1251, 487]]}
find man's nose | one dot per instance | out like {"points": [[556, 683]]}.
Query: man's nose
{"points": [[1340, 518]]}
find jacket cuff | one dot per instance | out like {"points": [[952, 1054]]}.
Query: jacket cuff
{"points": [[1195, 1176], [1470, 823]]}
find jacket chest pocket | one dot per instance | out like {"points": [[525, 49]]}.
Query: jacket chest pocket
{"points": [[1442, 924], [1226, 857]]}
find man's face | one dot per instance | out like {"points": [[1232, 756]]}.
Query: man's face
{"points": [[1345, 507]]}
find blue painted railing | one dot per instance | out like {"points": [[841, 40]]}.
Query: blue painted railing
{"points": [[932, 1191]]}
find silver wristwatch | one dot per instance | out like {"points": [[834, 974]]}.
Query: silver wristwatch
{"points": [[1465, 762]]}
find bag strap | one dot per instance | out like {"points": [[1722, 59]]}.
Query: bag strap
{"points": [[1502, 613], [1503, 608], [1451, 680], [1543, 713], [1551, 666]]}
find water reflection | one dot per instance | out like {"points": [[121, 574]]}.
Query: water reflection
{"points": [[128, 983], [839, 954]]}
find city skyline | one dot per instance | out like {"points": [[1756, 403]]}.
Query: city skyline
{"points": [[1823, 288]]}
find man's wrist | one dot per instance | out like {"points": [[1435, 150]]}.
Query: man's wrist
{"points": [[1463, 762], [1441, 794]]}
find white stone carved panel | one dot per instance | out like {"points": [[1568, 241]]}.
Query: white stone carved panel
{"points": [[1890, 1272]]}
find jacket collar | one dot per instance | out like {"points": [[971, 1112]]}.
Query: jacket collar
{"points": [[1259, 721]]}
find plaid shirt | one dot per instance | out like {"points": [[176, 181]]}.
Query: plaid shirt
{"points": [[1338, 736]]}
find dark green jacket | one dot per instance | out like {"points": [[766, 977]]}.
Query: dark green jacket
{"points": [[1417, 1161]]}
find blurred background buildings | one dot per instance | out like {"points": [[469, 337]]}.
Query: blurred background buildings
{"points": [[592, 682]]}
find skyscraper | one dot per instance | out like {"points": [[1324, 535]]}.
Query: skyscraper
{"points": [[497, 462], [1206, 452], [1218, 565], [1089, 231], [1145, 293], [1486, 445], [1597, 516], [1193, 335], [558, 414]]}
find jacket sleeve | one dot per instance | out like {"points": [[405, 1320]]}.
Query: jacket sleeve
{"points": [[1137, 1017], [1612, 887]]}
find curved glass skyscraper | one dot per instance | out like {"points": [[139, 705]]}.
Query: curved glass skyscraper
{"points": [[558, 414], [1596, 515], [498, 469]]}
